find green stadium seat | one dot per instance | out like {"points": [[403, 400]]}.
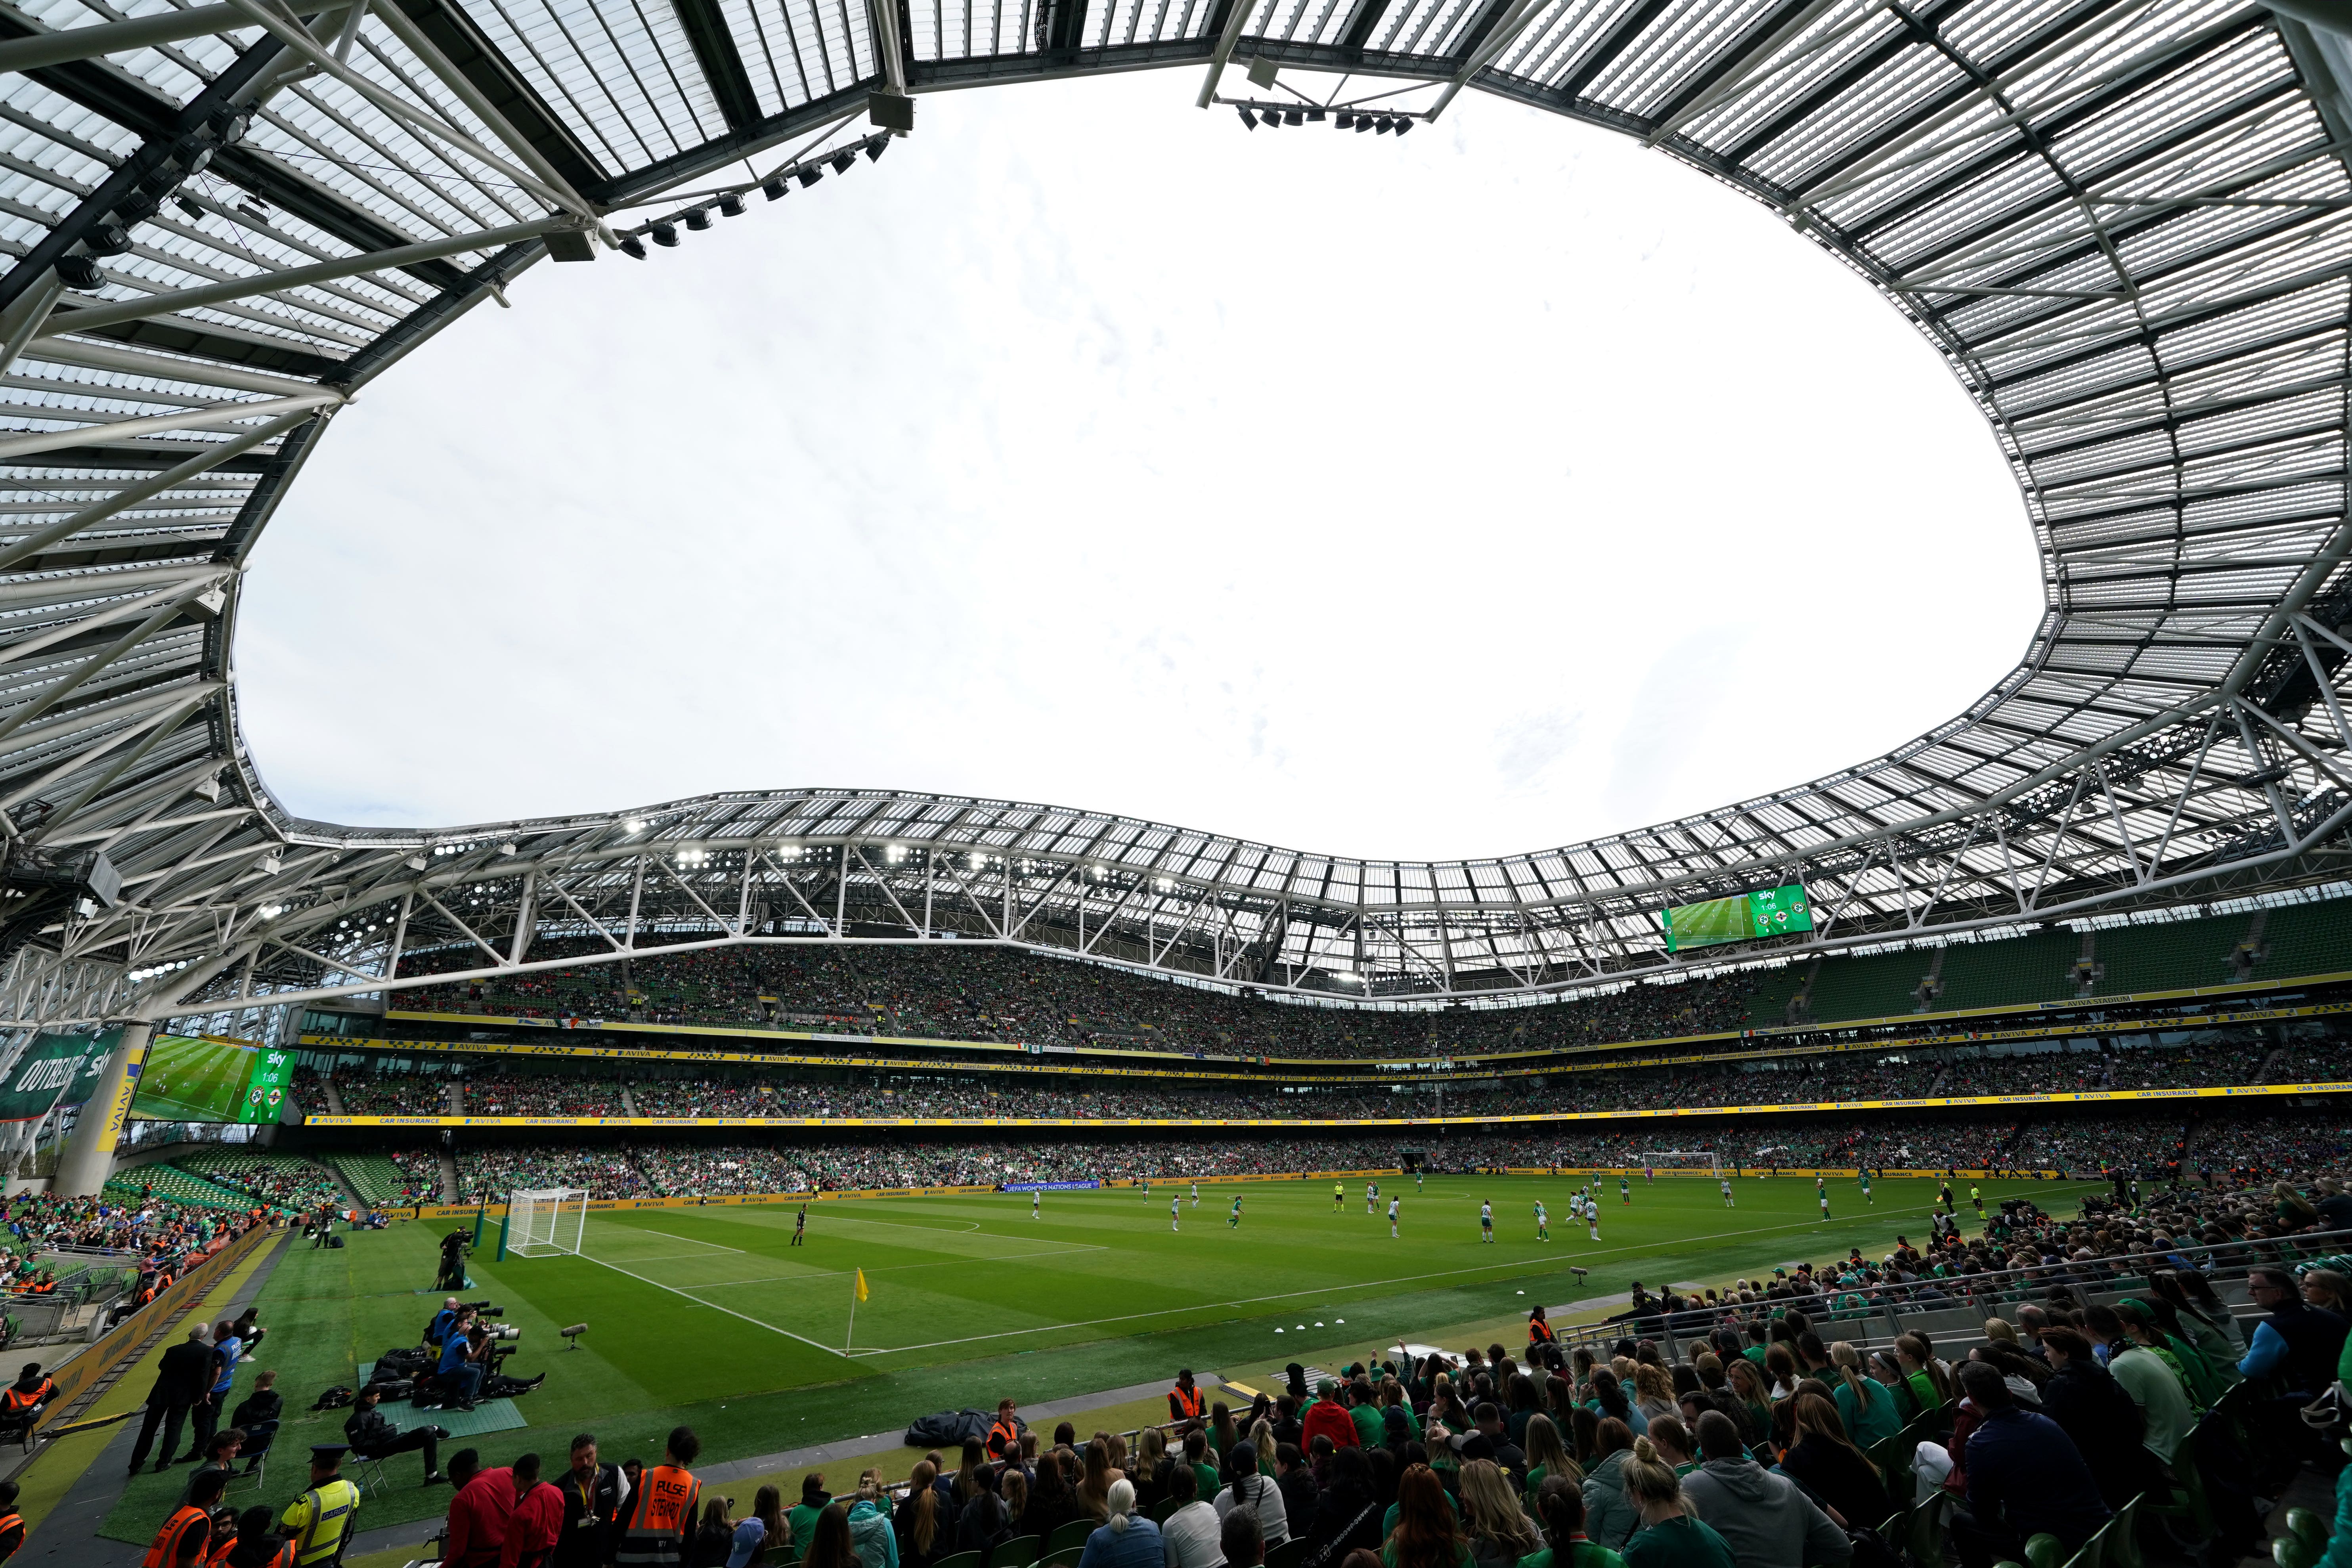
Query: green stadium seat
{"points": [[1073, 1534], [1017, 1551]]}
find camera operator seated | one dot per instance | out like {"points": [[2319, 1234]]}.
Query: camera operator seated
{"points": [[463, 1359], [373, 1436], [437, 1332]]}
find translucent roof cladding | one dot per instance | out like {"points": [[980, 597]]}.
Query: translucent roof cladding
{"points": [[2122, 225]]}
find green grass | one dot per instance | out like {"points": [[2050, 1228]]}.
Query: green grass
{"points": [[192, 1080], [710, 1317]]}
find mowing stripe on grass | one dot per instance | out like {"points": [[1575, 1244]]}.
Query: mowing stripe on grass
{"points": [[1517, 1267], [715, 1307]]}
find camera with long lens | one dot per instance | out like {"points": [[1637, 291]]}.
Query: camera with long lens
{"points": [[483, 1308]]}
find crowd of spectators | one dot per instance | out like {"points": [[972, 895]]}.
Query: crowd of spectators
{"points": [[367, 1091], [992, 993], [420, 1174], [539, 1094], [589, 1087], [284, 1180], [2233, 1150]]}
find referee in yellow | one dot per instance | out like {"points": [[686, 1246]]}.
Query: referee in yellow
{"points": [[319, 1519]]}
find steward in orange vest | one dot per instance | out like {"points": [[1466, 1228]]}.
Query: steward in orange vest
{"points": [[1184, 1402], [24, 1399], [659, 1524], [172, 1546], [1538, 1331], [12, 1523], [1004, 1437]]}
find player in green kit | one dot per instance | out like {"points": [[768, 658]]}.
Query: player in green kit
{"points": [[1543, 1222], [1233, 1220], [1866, 1186], [1624, 1190], [1416, 1178]]}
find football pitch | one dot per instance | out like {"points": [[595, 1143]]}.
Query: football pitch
{"points": [[954, 1278], [711, 1317]]}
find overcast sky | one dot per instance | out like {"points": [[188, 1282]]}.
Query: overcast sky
{"points": [[1497, 487]]}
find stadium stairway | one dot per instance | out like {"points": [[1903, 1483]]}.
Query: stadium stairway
{"points": [[452, 1190]]}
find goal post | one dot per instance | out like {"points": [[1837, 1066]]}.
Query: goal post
{"points": [[1697, 1160], [542, 1222]]}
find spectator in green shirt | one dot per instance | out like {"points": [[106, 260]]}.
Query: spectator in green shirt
{"points": [[1670, 1536], [803, 1517], [1364, 1410], [1560, 1508]]}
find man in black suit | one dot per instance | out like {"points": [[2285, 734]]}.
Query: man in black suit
{"points": [[183, 1381]]}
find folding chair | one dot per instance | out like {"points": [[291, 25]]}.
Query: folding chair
{"points": [[371, 1478], [257, 1438]]}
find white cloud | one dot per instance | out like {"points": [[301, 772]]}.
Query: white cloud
{"points": [[1497, 487]]}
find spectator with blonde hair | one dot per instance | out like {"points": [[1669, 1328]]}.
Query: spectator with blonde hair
{"points": [[1670, 1535]]}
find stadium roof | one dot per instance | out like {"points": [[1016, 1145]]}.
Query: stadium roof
{"points": [[2122, 222]]}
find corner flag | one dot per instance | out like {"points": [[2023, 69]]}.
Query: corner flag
{"points": [[861, 1284]]}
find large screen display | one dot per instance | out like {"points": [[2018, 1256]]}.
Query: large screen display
{"points": [[1743, 917], [208, 1077]]}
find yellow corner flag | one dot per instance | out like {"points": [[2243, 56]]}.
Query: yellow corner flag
{"points": [[861, 1284]]}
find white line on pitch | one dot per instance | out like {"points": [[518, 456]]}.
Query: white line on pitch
{"points": [[755, 1322], [889, 1268], [689, 1240]]}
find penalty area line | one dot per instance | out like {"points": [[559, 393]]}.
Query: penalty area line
{"points": [[715, 1307]]}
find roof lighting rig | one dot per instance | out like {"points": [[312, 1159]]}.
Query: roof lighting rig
{"points": [[1379, 122], [803, 169]]}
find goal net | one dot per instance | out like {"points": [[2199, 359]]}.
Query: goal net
{"points": [[1681, 1160], [543, 1221]]}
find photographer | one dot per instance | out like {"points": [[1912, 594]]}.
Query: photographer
{"points": [[454, 1247], [594, 1496], [462, 1361], [373, 1436]]}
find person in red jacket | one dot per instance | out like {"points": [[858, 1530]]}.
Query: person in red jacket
{"points": [[479, 1513], [537, 1521], [1329, 1418]]}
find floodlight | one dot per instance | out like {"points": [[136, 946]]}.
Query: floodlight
{"points": [[1315, 115], [1383, 125], [1404, 123], [1247, 117], [808, 174], [731, 205], [189, 208], [664, 234], [775, 188], [634, 247], [78, 272], [876, 146], [697, 218], [1363, 124], [842, 161], [633, 825], [1347, 120], [1293, 117]]}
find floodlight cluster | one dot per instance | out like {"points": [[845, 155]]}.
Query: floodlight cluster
{"points": [[803, 172], [1379, 121]]}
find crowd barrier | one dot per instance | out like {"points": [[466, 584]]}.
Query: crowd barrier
{"points": [[85, 1367], [1769, 1032]]}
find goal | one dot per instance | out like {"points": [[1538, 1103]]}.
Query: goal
{"points": [[544, 1221], [1681, 1160]]}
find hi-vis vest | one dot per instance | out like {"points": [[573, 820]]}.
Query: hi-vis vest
{"points": [[661, 1516], [320, 1537], [165, 1550], [20, 1401], [1538, 1332], [1186, 1403]]}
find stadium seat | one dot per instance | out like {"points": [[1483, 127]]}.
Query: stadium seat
{"points": [[1017, 1551], [1070, 1536], [1288, 1555], [255, 1453], [961, 1560], [1164, 1507]]}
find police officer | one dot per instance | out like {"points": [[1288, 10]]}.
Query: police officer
{"points": [[321, 1520], [593, 1497], [658, 1524]]}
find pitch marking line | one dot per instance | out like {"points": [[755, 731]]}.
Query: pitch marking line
{"points": [[715, 1307], [689, 1240], [1317, 1291], [887, 1268]]}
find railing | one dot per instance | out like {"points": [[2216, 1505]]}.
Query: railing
{"points": [[1882, 1315]]}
